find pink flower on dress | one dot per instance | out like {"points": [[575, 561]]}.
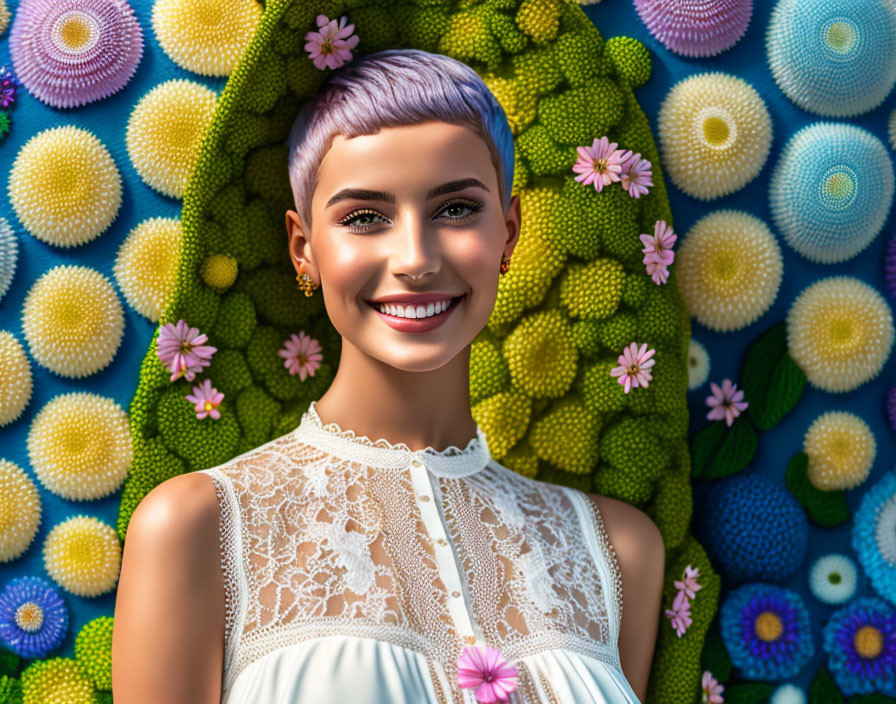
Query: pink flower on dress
{"points": [[689, 583], [329, 46], [680, 613], [726, 403], [658, 254], [636, 174], [493, 677], [302, 354], [634, 363], [712, 690], [599, 164], [181, 350], [206, 399]]}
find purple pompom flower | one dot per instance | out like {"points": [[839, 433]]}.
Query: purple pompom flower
{"points": [[696, 27], [33, 617], [73, 52]]}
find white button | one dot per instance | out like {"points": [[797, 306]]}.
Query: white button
{"points": [[442, 541], [455, 593], [416, 463], [425, 497]]}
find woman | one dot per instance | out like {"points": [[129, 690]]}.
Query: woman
{"points": [[325, 566]]}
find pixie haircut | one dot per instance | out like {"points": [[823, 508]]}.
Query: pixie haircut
{"points": [[392, 88]]}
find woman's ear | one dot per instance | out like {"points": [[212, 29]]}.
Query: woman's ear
{"points": [[299, 246], [513, 220]]}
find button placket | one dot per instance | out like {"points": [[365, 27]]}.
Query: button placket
{"points": [[445, 559]]}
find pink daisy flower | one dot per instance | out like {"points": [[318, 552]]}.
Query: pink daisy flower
{"points": [[712, 690], [599, 164], [634, 363], [330, 45], [181, 350], [636, 174], [658, 254], [493, 677], [680, 614], [302, 354], [206, 400], [689, 582], [726, 402]]}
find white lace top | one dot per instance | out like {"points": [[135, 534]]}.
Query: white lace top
{"points": [[358, 570]]}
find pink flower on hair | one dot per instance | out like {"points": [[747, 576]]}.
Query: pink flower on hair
{"points": [[658, 254], [206, 400], [493, 677], [329, 46], [726, 402], [712, 690], [302, 354], [634, 365], [688, 584], [680, 613], [636, 174], [180, 349], [599, 164]]}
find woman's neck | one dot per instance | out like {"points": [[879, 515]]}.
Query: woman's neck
{"points": [[420, 409]]}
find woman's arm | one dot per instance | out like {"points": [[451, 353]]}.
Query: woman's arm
{"points": [[168, 633], [641, 554]]}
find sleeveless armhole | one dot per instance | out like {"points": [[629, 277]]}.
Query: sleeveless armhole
{"points": [[604, 555], [235, 586]]}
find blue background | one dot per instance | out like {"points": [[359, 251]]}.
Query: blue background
{"points": [[108, 120]]}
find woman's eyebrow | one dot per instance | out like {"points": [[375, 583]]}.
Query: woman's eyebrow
{"points": [[366, 194]]}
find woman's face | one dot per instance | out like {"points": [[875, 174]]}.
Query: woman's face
{"points": [[412, 211]]}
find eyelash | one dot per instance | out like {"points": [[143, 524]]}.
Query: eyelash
{"points": [[473, 205]]}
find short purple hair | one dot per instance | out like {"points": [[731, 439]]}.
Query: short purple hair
{"points": [[392, 88]]}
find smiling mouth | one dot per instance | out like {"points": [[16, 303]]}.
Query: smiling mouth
{"points": [[454, 302]]}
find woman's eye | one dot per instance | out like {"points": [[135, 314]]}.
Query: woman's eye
{"points": [[365, 216], [363, 220], [456, 206]]}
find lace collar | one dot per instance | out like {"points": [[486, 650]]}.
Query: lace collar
{"points": [[450, 462]]}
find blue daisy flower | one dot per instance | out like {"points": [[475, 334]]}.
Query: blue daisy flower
{"points": [[860, 639], [874, 535], [33, 617], [833, 57], [831, 190], [766, 631]]}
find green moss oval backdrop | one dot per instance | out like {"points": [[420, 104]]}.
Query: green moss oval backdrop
{"points": [[575, 296]]}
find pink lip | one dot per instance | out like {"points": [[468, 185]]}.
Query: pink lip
{"points": [[417, 325]]}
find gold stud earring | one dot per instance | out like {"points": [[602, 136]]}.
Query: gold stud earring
{"points": [[306, 283], [505, 264]]}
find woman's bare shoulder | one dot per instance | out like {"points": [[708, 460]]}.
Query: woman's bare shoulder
{"points": [[168, 633]]}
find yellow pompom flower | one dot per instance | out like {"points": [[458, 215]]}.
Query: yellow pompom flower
{"points": [[729, 269], [841, 450], [83, 556], [15, 378], [56, 680], [64, 186], [73, 321], [20, 511], [93, 651], [165, 131], [840, 333], [4, 16], [205, 36], [715, 134], [146, 265], [219, 272], [79, 445]]}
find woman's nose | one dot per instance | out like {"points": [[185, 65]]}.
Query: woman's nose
{"points": [[416, 247]]}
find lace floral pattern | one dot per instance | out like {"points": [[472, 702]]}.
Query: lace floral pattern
{"points": [[322, 535]]}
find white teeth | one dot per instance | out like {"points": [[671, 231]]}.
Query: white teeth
{"points": [[419, 311]]}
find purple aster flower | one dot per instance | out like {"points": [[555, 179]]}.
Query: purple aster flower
{"points": [[696, 27], [181, 350], [726, 403], [860, 640], [33, 617], [329, 46], [600, 164], [206, 400], [72, 52], [636, 174], [766, 631]]}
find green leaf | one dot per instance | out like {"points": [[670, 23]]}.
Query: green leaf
{"points": [[719, 451], [825, 508], [873, 698], [748, 693], [714, 657], [9, 662], [772, 381], [823, 689]]}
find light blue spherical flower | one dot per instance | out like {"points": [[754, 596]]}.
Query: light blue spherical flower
{"points": [[33, 617], [766, 631], [788, 694], [9, 256], [833, 579], [833, 57], [830, 191], [874, 535]]}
